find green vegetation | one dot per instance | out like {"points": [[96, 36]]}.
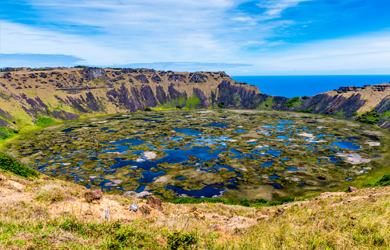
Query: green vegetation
{"points": [[221, 105], [245, 202], [340, 114], [188, 200], [268, 104], [6, 133], [293, 102], [148, 109], [304, 97], [45, 121], [179, 107], [370, 117], [384, 181], [189, 103], [180, 240], [309, 111], [10, 164]]}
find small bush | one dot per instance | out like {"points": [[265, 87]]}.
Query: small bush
{"points": [[44, 121], [6, 132], [309, 111], [261, 200], [180, 240], [370, 117], [178, 107], [10, 164], [293, 102], [51, 192], [148, 109], [245, 203], [221, 105], [304, 97]]}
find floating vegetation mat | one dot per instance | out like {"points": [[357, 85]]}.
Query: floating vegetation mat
{"points": [[206, 153]]}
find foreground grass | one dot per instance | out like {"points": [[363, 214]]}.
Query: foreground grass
{"points": [[359, 220]]}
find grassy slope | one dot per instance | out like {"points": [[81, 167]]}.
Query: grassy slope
{"points": [[37, 215]]}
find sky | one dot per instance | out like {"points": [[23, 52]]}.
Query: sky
{"points": [[263, 37]]}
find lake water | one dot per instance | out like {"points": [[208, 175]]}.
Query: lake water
{"points": [[290, 86]]}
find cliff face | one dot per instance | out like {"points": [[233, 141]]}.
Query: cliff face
{"points": [[70, 93]]}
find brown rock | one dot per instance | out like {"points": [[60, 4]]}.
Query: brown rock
{"points": [[93, 195], [216, 218], [2, 178], [352, 189], [155, 203], [262, 217], [145, 209]]}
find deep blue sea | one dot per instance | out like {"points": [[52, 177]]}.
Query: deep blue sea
{"points": [[290, 86]]}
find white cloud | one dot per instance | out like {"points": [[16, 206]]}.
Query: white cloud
{"points": [[276, 7]]}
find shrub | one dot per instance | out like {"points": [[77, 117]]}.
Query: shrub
{"points": [[10, 164], [261, 200], [309, 111], [6, 132], [245, 203], [44, 121], [370, 117], [180, 240], [148, 109], [221, 105], [304, 97], [293, 102], [51, 192], [178, 107]]}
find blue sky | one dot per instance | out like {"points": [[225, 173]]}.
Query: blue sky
{"points": [[263, 37]]}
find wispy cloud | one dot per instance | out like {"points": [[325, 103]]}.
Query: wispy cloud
{"points": [[248, 36], [276, 7]]}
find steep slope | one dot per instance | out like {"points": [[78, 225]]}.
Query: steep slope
{"points": [[70, 93]]}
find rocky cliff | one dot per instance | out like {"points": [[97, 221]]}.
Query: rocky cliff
{"points": [[70, 93]]}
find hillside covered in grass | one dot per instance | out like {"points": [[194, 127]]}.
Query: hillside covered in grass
{"points": [[44, 213]]}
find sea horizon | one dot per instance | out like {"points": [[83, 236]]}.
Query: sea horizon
{"points": [[308, 85]]}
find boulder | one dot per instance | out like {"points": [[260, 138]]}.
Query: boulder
{"points": [[92, 195], [352, 189], [155, 203]]}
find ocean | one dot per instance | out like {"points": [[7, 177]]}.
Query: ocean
{"points": [[290, 86]]}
